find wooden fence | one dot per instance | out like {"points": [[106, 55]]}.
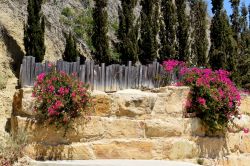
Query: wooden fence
{"points": [[99, 77]]}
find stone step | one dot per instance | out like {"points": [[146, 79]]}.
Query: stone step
{"points": [[97, 128], [111, 163], [137, 104], [235, 160], [173, 148]]}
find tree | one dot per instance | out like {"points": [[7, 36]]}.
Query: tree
{"points": [[217, 5], [34, 31], [235, 18], [167, 30], [100, 38], [70, 53], [182, 31], [244, 59], [128, 32], [149, 30], [199, 46], [223, 46]]}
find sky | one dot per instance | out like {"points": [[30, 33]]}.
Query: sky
{"points": [[227, 6]]}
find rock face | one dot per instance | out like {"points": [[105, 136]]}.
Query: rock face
{"points": [[129, 124]]}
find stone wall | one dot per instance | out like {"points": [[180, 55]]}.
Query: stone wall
{"points": [[132, 124]]}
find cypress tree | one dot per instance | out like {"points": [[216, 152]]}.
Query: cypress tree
{"points": [[34, 31], [199, 23], [128, 32], [182, 31], [235, 18], [70, 53], [149, 30], [100, 38], [243, 18], [223, 46], [244, 64], [167, 30]]}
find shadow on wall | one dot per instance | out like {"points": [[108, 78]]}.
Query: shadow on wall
{"points": [[14, 51]]}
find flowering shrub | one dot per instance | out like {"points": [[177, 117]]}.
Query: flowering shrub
{"points": [[59, 97], [214, 97], [172, 67]]}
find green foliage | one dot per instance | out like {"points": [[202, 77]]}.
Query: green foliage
{"points": [[100, 38], [217, 5], [70, 53], [235, 18], [34, 31], [167, 32], [149, 29], [68, 12], [223, 46], [182, 31], [81, 22], [127, 32], [199, 46]]}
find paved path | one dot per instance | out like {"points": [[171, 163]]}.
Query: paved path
{"points": [[112, 163]]}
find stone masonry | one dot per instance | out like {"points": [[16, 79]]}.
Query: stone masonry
{"points": [[132, 124]]}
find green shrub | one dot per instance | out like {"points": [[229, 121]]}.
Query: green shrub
{"points": [[68, 12]]}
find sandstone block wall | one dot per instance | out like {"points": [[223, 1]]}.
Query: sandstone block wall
{"points": [[132, 124]]}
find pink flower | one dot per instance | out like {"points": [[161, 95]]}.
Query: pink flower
{"points": [[73, 94], [201, 100], [246, 130], [61, 90], [40, 77]]}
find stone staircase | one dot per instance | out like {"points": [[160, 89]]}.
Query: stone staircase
{"points": [[130, 124]]}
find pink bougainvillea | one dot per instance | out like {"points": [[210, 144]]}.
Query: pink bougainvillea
{"points": [[59, 97], [214, 98]]}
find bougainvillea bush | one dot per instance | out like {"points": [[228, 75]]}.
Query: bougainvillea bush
{"points": [[59, 97], [214, 98]]}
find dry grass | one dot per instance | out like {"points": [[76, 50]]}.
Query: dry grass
{"points": [[11, 148], [3, 81]]}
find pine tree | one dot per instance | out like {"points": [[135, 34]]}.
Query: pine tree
{"points": [[149, 30], [70, 53], [235, 18], [199, 24], [34, 31], [167, 30], [182, 31], [100, 39], [128, 32]]}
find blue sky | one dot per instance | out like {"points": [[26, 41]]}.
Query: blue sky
{"points": [[227, 6]]}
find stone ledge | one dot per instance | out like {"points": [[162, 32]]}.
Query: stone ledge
{"points": [[106, 128], [171, 148]]}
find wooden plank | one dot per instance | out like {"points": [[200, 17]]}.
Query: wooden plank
{"points": [[82, 73], [107, 86], [28, 70], [95, 75], [87, 63], [140, 76], [91, 74], [129, 74], [20, 76], [103, 76], [120, 81], [32, 74], [126, 77]]}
